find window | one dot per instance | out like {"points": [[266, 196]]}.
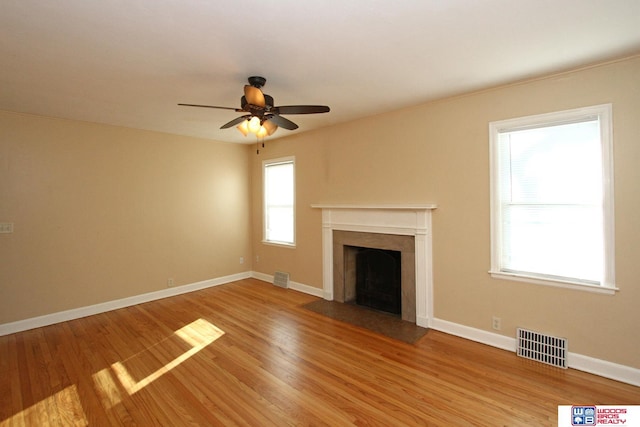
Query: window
{"points": [[279, 197], [552, 199]]}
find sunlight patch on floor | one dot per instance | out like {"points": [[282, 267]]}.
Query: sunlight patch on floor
{"points": [[198, 334], [107, 388], [65, 404]]}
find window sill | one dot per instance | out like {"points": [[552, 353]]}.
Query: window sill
{"points": [[281, 244], [555, 283]]}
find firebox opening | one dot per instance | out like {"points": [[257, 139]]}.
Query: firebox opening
{"points": [[378, 278]]}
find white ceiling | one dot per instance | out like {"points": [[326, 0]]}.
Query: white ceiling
{"points": [[129, 62]]}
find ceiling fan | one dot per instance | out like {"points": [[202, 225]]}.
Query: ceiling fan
{"points": [[263, 118]]}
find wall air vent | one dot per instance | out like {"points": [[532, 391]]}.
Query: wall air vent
{"points": [[281, 279], [542, 348]]}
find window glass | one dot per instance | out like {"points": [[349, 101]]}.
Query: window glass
{"points": [[279, 198]]}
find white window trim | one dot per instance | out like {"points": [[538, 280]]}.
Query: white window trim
{"points": [[265, 163], [604, 112]]}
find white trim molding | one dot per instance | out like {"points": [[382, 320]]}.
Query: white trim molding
{"points": [[411, 219], [300, 287], [77, 313], [603, 368]]}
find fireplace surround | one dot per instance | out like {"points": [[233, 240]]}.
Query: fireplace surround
{"points": [[344, 265], [398, 227]]}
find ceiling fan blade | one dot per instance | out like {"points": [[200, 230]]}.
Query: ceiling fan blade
{"points": [[234, 122], [301, 109], [210, 106], [254, 96], [270, 126], [282, 122]]}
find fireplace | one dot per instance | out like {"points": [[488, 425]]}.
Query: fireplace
{"points": [[405, 229], [346, 247], [378, 279]]}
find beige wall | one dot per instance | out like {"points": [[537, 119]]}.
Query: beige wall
{"points": [[439, 153], [103, 213]]}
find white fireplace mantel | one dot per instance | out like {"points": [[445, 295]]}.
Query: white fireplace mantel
{"points": [[411, 219]]}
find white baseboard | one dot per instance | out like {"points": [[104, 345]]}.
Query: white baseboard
{"points": [[76, 313], [317, 292], [614, 371], [603, 368], [473, 334], [306, 289], [261, 276]]}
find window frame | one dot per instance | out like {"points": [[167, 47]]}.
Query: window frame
{"points": [[265, 164], [604, 113]]}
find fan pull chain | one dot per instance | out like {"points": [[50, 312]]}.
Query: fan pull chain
{"points": [[258, 141]]}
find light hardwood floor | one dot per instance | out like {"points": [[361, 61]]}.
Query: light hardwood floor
{"points": [[246, 353]]}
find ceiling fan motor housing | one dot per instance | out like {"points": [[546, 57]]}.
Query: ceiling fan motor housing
{"points": [[255, 109], [268, 102], [257, 81]]}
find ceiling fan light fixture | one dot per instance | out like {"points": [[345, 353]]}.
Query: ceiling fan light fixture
{"points": [[254, 124], [270, 127], [244, 127], [262, 132]]}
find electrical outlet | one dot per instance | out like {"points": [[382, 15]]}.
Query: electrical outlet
{"points": [[6, 227], [496, 323], [241, 260], [257, 258], [169, 283]]}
